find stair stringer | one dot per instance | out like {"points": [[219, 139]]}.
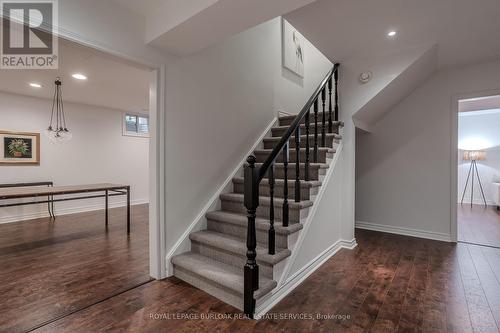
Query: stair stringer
{"points": [[290, 277], [183, 244]]}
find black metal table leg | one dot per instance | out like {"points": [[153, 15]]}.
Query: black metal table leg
{"points": [[106, 200], [52, 206], [48, 207], [128, 209], [50, 203]]}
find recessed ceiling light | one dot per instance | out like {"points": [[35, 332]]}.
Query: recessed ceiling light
{"points": [[35, 85], [391, 33], [79, 76]]}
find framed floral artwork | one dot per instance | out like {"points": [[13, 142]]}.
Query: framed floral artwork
{"points": [[19, 148]]}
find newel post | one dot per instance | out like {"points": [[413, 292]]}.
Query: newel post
{"points": [[251, 270]]}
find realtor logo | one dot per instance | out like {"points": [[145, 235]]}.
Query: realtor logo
{"points": [[29, 39]]}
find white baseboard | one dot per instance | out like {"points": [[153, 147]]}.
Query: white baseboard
{"points": [[291, 283], [67, 211], [404, 231]]}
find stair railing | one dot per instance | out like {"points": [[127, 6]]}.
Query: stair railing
{"points": [[253, 176]]}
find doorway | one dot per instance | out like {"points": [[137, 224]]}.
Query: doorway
{"points": [[478, 171]]}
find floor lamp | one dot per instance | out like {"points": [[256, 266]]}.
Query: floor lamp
{"points": [[473, 156]]}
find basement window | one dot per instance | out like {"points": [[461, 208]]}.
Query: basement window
{"points": [[136, 125]]}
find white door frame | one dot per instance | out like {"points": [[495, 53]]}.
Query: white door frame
{"points": [[157, 189], [454, 154]]}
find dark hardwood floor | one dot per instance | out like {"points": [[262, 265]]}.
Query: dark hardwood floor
{"points": [[50, 269], [389, 283], [479, 225]]}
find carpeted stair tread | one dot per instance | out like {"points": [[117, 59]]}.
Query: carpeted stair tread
{"points": [[281, 182], [291, 118], [276, 139], [303, 137], [292, 150], [221, 274], [260, 223], [237, 246], [278, 131], [265, 201], [302, 165]]}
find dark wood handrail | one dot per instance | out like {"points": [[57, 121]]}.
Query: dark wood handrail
{"points": [[296, 123]]}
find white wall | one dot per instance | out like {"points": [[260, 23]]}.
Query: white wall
{"points": [[97, 153], [403, 179], [353, 96], [479, 131], [218, 103], [400, 74], [291, 92]]}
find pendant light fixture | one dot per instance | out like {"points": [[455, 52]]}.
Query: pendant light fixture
{"points": [[57, 131]]}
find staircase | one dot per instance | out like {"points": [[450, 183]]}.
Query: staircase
{"points": [[261, 239]]}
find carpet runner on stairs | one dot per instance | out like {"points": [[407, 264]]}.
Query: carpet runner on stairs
{"points": [[218, 254]]}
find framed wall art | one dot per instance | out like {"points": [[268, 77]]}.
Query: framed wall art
{"points": [[292, 48], [19, 148]]}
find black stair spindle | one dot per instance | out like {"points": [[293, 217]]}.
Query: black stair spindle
{"points": [[330, 109], [306, 168], [315, 157], [251, 270], [323, 120], [272, 235], [285, 185], [336, 76], [297, 164]]}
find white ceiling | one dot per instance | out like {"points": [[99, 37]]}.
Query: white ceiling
{"points": [[111, 83], [142, 7], [466, 31], [183, 27]]}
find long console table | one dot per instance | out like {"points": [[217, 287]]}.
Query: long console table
{"points": [[46, 193]]}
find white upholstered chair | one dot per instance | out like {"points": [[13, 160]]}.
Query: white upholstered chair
{"points": [[496, 194]]}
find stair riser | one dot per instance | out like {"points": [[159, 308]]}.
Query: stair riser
{"points": [[279, 131], [241, 232], [322, 156], [224, 294], [330, 142], [314, 173], [305, 192], [288, 121], [263, 211], [233, 259]]}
